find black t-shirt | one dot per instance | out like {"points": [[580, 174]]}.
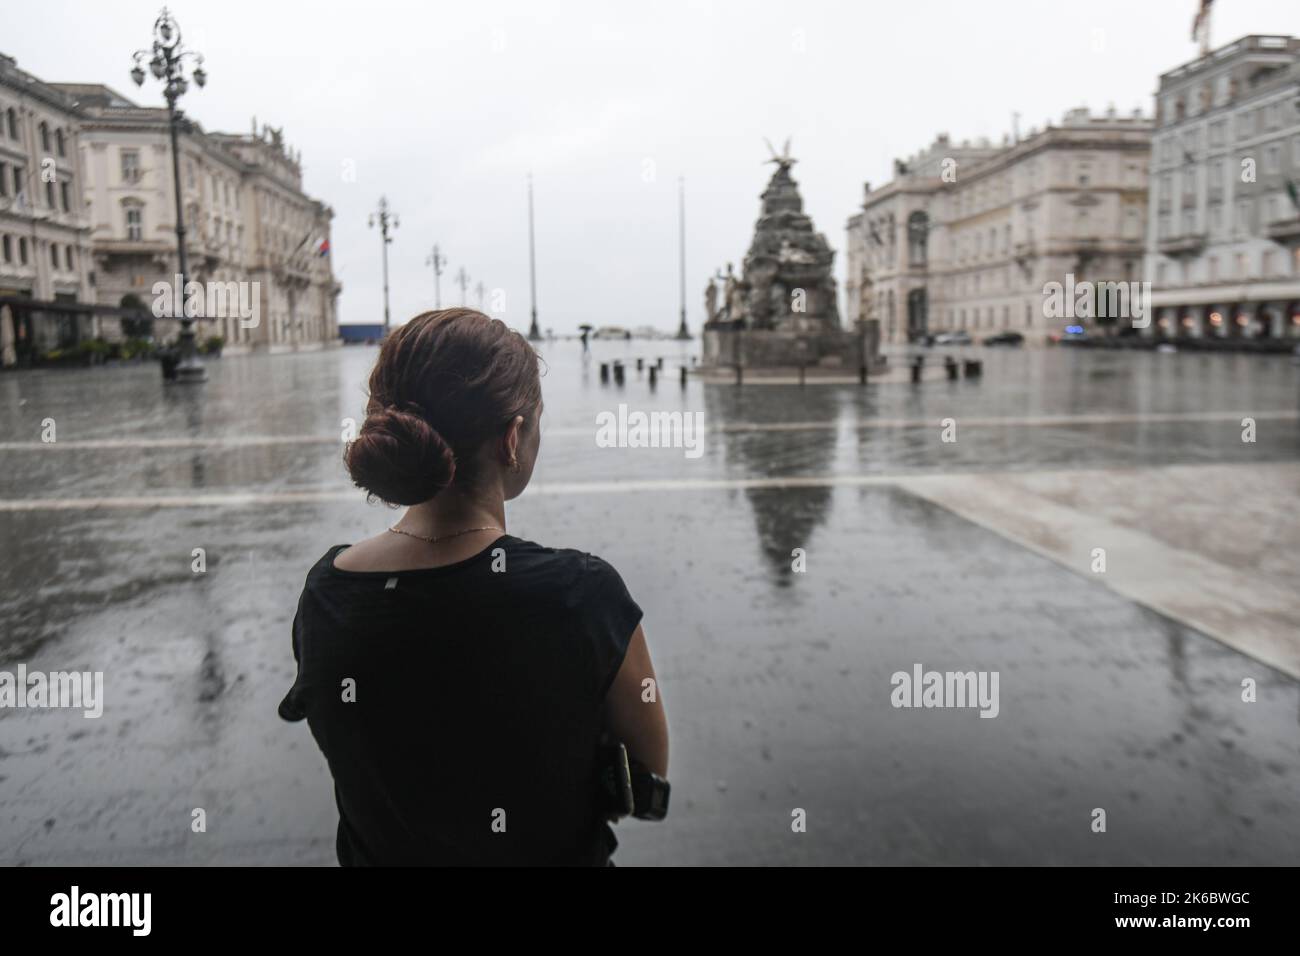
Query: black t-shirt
{"points": [[460, 707]]}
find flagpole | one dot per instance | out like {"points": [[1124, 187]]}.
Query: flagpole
{"points": [[683, 333], [534, 333]]}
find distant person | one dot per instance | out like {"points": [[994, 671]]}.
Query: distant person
{"points": [[459, 679]]}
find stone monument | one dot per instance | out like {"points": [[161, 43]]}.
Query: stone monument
{"points": [[782, 311]]}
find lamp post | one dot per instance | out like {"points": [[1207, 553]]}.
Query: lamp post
{"points": [[534, 333], [166, 63], [384, 217], [683, 333], [437, 260]]}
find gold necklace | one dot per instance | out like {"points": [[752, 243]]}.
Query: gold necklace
{"points": [[455, 534]]}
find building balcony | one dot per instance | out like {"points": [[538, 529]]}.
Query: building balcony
{"points": [[1190, 244], [1285, 232], [133, 247]]}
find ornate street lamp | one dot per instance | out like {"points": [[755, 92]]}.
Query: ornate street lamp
{"points": [[166, 63], [384, 217]]}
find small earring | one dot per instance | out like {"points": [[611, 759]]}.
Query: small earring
{"points": [[514, 465]]}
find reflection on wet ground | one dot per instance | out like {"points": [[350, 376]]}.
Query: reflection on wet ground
{"points": [[777, 682]]}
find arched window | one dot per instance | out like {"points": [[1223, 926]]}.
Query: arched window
{"points": [[59, 144], [11, 123], [918, 229], [45, 137]]}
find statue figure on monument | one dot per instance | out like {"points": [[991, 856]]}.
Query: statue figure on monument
{"points": [[710, 300], [734, 297]]}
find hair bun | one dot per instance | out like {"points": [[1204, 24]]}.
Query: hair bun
{"points": [[400, 458]]}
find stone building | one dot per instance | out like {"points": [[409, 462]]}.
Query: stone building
{"points": [[44, 222], [247, 220], [1223, 241], [968, 236]]}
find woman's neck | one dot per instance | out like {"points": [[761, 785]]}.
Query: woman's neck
{"points": [[452, 511]]}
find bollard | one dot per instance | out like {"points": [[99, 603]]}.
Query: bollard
{"points": [[974, 368], [950, 366], [654, 376], [618, 373], [917, 364], [683, 376], [640, 364], [604, 373]]}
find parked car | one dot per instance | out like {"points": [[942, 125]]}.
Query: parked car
{"points": [[1005, 338], [952, 338], [1072, 333]]}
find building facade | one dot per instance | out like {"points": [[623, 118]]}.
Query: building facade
{"points": [[1223, 241], [88, 227], [968, 237], [44, 221], [247, 218]]}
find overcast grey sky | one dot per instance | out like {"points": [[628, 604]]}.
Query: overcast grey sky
{"points": [[445, 108]]}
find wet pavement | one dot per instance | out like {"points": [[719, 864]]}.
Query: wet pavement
{"points": [[1116, 691]]}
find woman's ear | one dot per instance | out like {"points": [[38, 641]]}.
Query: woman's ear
{"points": [[510, 444]]}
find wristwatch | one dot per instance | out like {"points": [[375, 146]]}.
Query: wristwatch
{"points": [[649, 793]]}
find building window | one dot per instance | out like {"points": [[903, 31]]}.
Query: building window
{"points": [[18, 180], [4, 179], [59, 145], [11, 122], [918, 228], [54, 254], [22, 252], [130, 166], [63, 195], [71, 259], [134, 222], [8, 249], [49, 194], [45, 138]]}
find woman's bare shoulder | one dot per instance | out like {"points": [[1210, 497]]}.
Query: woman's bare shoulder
{"points": [[368, 554]]}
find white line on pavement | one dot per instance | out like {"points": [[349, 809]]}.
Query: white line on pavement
{"points": [[1030, 421]]}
